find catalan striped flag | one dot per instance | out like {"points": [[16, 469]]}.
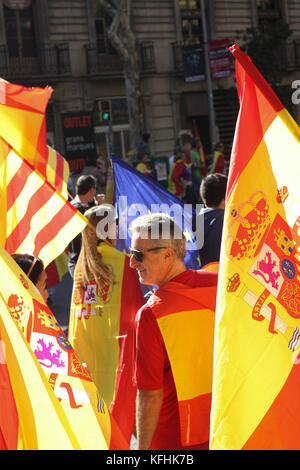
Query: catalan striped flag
{"points": [[48, 400], [256, 378], [55, 169], [101, 331], [39, 220]]}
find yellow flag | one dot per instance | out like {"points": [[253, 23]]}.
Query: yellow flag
{"points": [[58, 406]]}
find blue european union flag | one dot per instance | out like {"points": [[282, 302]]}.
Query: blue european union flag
{"points": [[137, 194]]}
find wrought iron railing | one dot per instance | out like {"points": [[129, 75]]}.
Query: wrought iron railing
{"points": [[52, 60], [105, 63]]}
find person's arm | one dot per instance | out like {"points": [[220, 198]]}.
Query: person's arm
{"points": [[148, 405]]}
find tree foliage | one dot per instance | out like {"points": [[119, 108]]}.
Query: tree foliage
{"points": [[265, 44], [122, 38]]}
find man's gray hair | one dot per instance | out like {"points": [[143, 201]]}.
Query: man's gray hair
{"points": [[161, 229]]}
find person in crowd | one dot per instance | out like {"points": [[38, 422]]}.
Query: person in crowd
{"points": [[179, 176], [106, 296], [144, 145], [86, 197], [218, 164], [34, 269], [142, 165], [197, 169], [174, 347], [212, 192]]}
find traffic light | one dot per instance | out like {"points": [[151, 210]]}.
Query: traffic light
{"points": [[105, 110]]}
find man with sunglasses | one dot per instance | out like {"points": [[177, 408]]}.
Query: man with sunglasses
{"points": [[174, 340]]}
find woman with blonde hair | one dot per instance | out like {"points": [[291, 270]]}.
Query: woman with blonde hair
{"points": [[106, 297]]}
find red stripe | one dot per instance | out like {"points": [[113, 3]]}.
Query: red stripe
{"points": [[20, 232], [195, 419], [9, 421], [183, 298], [28, 99], [117, 441], [125, 390], [279, 428], [59, 174], [257, 78], [17, 183], [258, 108], [49, 231]]}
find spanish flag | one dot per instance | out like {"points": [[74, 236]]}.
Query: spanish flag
{"points": [[256, 378], [101, 330], [186, 317], [47, 398]]}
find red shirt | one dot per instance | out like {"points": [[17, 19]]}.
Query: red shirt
{"points": [[153, 370]]}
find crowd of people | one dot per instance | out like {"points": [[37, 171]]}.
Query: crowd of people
{"points": [[171, 362]]}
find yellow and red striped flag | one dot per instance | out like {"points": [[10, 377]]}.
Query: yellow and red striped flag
{"points": [[256, 376], [48, 400], [101, 331], [39, 220], [23, 127]]}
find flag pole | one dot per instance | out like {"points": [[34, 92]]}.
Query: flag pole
{"points": [[211, 109]]}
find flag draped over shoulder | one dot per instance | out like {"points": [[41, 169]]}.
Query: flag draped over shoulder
{"points": [[190, 311], [256, 365], [50, 400], [39, 220], [101, 331], [137, 194]]}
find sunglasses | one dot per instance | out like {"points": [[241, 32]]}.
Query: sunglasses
{"points": [[139, 255]]}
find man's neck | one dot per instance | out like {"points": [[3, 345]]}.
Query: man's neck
{"points": [[83, 198], [175, 271]]}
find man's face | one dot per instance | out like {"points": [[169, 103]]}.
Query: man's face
{"points": [[153, 269], [92, 193]]}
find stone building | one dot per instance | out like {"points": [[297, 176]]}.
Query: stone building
{"points": [[63, 43]]}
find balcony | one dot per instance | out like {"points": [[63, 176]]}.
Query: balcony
{"points": [[103, 64], [146, 57], [52, 61]]}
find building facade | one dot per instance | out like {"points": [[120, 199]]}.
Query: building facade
{"points": [[64, 44]]}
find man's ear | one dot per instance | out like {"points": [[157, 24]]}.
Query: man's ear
{"points": [[169, 253]]}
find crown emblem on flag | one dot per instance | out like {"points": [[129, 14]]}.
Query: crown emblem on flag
{"points": [[248, 227]]}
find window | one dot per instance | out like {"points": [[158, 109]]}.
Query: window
{"points": [[20, 33], [269, 9], [102, 23], [101, 36], [191, 21]]}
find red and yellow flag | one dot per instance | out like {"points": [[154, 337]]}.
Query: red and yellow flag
{"points": [[256, 365], [36, 219], [22, 117], [186, 317], [101, 331], [49, 397]]}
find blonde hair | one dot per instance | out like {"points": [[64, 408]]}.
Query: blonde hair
{"points": [[89, 260]]}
